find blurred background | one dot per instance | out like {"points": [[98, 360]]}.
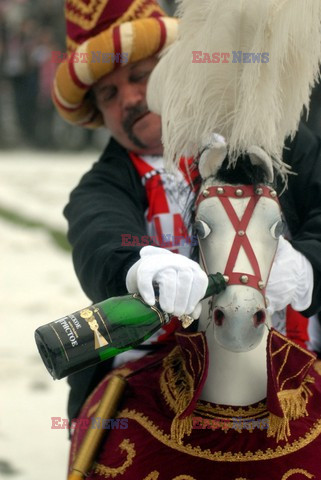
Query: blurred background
{"points": [[41, 160]]}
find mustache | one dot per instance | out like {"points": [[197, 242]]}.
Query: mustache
{"points": [[133, 114]]}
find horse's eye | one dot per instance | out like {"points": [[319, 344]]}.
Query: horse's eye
{"points": [[202, 229], [277, 229]]}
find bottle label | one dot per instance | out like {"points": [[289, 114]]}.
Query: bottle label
{"points": [[86, 329]]}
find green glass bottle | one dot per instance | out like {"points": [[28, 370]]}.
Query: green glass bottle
{"points": [[102, 331]]}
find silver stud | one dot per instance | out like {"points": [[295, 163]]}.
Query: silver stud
{"points": [[241, 233], [220, 190], [226, 278], [206, 193], [244, 278], [239, 192], [273, 193], [259, 191], [261, 285]]}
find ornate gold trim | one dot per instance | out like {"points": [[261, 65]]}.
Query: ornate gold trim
{"points": [[107, 472], [184, 477], [219, 456], [291, 342], [172, 362], [296, 470], [217, 411], [152, 475]]}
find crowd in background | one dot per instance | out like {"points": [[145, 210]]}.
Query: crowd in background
{"points": [[29, 31]]}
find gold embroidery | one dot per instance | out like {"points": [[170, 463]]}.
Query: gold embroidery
{"points": [[184, 477], [152, 476], [307, 367], [214, 411], [296, 470], [293, 402], [290, 342], [198, 355], [167, 385], [125, 446], [178, 388], [269, 453]]}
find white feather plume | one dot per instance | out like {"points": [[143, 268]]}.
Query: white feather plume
{"points": [[247, 103]]}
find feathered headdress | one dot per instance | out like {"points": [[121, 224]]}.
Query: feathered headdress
{"points": [[269, 53]]}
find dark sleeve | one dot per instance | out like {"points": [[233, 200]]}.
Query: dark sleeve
{"points": [[302, 203], [108, 203]]}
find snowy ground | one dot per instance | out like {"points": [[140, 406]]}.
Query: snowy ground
{"points": [[37, 285]]}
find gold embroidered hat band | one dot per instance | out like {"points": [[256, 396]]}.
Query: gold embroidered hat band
{"points": [[103, 36]]}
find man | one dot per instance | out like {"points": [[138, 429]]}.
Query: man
{"points": [[127, 191]]}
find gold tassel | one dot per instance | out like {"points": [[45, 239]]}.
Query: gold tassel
{"points": [[181, 427], [182, 385], [293, 403], [184, 394]]}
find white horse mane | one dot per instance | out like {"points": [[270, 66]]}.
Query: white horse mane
{"points": [[247, 103]]}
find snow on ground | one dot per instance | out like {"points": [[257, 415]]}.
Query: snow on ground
{"points": [[37, 285]]}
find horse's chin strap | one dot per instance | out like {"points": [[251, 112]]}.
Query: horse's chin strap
{"points": [[224, 193]]}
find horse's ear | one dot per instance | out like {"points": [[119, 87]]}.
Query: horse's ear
{"points": [[212, 156], [261, 158]]}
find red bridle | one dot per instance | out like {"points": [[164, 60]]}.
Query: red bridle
{"points": [[254, 193]]}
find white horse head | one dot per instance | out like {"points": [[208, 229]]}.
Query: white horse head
{"points": [[238, 228]]}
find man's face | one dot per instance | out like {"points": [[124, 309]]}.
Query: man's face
{"points": [[121, 98]]}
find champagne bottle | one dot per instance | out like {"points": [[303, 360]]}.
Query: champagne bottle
{"points": [[102, 331]]}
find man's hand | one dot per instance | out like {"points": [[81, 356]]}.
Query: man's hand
{"points": [[182, 282], [291, 279]]}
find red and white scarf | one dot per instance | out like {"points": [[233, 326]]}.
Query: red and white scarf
{"points": [[168, 195]]}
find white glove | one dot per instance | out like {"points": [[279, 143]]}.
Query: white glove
{"points": [[291, 279], [182, 282]]}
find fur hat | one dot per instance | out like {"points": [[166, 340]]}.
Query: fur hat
{"points": [[103, 35]]}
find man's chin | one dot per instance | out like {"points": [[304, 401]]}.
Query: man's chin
{"points": [[141, 148], [147, 139]]}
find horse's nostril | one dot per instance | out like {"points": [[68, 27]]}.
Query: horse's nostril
{"points": [[218, 317], [259, 318]]}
